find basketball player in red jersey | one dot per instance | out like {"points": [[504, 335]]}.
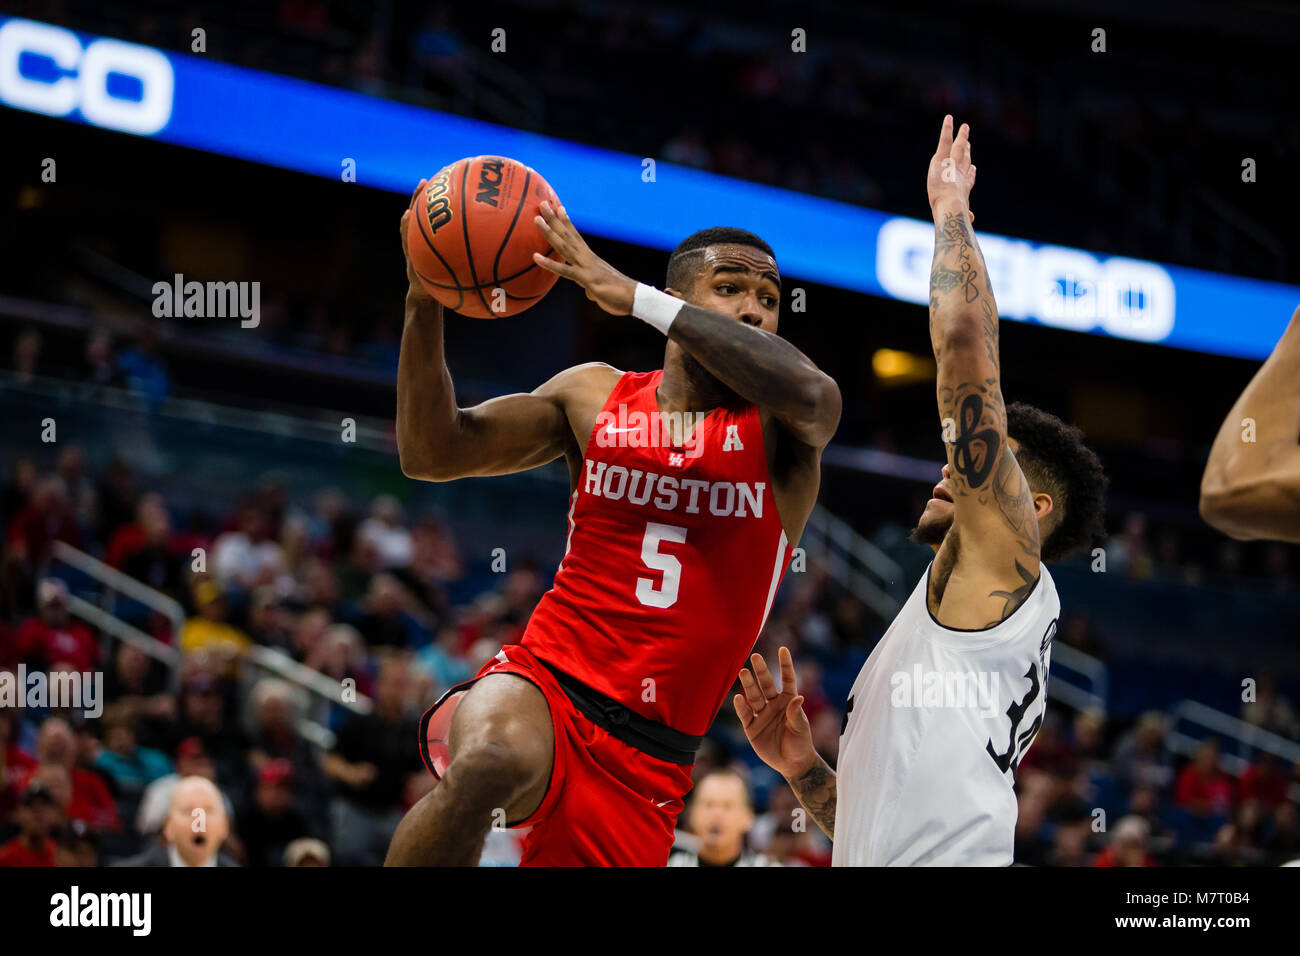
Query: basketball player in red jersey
{"points": [[690, 487]]}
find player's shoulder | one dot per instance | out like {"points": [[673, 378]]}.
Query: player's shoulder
{"points": [[580, 380]]}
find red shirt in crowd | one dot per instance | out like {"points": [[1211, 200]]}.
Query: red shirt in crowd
{"points": [[72, 643], [92, 802], [1264, 783], [17, 853], [1107, 858], [1197, 791]]}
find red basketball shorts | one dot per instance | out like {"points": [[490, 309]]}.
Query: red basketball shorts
{"points": [[607, 804]]}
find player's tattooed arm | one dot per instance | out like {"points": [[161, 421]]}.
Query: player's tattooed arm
{"points": [[815, 789], [989, 488], [1251, 486]]}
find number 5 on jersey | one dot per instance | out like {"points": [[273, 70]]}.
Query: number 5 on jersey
{"points": [[665, 595]]}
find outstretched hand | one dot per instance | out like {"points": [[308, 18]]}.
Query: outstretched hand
{"points": [[774, 721], [952, 175], [605, 285]]}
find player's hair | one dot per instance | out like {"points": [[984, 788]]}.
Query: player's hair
{"points": [[1055, 460], [683, 263]]}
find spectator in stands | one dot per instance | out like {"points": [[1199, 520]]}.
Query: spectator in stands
{"points": [[384, 528], [212, 629], [1265, 782], [370, 763], [131, 767], [341, 655], [53, 640], [192, 760], [27, 354], [195, 830], [99, 364], [277, 707], [16, 764], [18, 493], [307, 851], [1140, 758], [269, 622], [389, 616], [308, 632], [1203, 789], [71, 467], [270, 823], [720, 816], [143, 369], [442, 662], [1128, 845], [38, 818], [1282, 841], [247, 557], [76, 845], [204, 714], [138, 682], [154, 559], [46, 518], [117, 498], [784, 834], [87, 797]]}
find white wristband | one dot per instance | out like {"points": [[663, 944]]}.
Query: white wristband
{"points": [[654, 307]]}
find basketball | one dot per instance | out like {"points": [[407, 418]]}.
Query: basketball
{"points": [[471, 237]]}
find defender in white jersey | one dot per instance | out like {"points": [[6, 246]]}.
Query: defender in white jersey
{"points": [[953, 695]]}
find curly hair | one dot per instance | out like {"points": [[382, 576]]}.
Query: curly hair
{"points": [[1055, 460]]}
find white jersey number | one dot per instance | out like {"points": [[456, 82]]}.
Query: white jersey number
{"points": [[666, 594]]}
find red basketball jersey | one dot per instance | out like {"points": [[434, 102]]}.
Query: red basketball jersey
{"points": [[673, 558]]}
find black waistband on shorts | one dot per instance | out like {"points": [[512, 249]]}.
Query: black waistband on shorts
{"points": [[646, 735]]}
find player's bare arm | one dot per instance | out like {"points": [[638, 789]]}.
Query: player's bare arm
{"points": [[439, 441], [1251, 489], [757, 365], [995, 512], [780, 734]]}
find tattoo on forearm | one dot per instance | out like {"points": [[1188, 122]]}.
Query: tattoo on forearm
{"points": [[816, 791]]}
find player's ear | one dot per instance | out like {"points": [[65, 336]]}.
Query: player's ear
{"points": [[1043, 505]]}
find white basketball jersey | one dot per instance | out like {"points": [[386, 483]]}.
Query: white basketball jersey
{"points": [[934, 730]]}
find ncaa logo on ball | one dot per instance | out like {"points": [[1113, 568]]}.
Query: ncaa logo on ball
{"points": [[489, 181]]}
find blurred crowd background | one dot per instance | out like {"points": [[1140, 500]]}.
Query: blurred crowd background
{"points": [[184, 437]]}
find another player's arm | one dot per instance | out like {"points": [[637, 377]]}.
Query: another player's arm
{"points": [[439, 441], [758, 366], [1251, 489], [991, 495], [780, 734]]}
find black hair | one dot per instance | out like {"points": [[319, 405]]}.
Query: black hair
{"points": [[682, 265], [1055, 460]]}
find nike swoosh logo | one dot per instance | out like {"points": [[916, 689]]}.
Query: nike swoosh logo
{"points": [[615, 431]]}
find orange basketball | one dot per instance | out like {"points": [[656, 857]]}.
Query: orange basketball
{"points": [[471, 237]]}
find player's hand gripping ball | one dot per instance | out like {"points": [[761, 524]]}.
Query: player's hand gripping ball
{"points": [[471, 237]]}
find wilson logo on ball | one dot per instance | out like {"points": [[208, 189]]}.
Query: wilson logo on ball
{"points": [[437, 207]]}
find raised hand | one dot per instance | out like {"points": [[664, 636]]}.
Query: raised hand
{"points": [[951, 176], [605, 285], [774, 721]]}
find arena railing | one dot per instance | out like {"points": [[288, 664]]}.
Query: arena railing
{"points": [[854, 562], [268, 660], [1070, 669], [1248, 738]]}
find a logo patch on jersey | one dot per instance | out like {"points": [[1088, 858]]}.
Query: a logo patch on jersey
{"points": [[676, 460], [732, 442]]}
